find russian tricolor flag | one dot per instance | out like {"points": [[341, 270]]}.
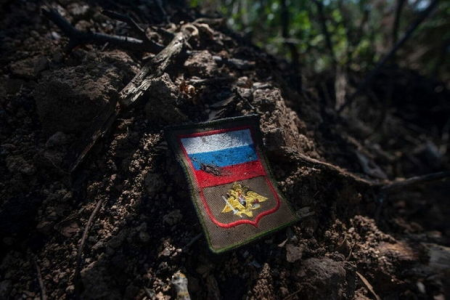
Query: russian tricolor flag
{"points": [[222, 156]]}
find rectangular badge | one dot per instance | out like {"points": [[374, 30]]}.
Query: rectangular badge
{"points": [[230, 181]]}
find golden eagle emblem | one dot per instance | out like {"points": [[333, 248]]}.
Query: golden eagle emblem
{"points": [[241, 200]]}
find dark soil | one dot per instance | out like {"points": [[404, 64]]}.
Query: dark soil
{"points": [[354, 243]]}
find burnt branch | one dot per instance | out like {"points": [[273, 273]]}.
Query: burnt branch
{"points": [[129, 21], [78, 38], [156, 66]]}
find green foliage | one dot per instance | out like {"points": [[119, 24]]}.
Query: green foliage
{"points": [[360, 31]]}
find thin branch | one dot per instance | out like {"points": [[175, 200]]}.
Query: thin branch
{"points": [[336, 170], [192, 241], [368, 285], [396, 25], [368, 79], [97, 129], [293, 294], [128, 20], [83, 241], [40, 280], [78, 38], [396, 186], [413, 181], [326, 33]]}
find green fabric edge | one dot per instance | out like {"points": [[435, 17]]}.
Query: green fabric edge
{"points": [[194, 197]]}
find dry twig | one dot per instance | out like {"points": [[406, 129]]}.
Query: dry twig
{"points": [[40, 280], [83, 241], [336, 170], [78, 38], [395, 186], [128, 20], [368, 285], [293, 294]]}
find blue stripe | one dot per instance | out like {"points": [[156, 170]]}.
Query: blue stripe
{"points": [[225, 157]]}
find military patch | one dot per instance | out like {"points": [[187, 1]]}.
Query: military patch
{"points": [[231, 184]]}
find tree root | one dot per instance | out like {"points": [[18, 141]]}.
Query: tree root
{"points": [[337, 170], [395, 186]]}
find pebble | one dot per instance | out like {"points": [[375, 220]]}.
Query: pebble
{"points": [[144, 236], [57, 139]]}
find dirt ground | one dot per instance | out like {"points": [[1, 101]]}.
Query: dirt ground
{"points": [[354, 240]]}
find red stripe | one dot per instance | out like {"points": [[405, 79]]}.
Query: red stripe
{"points": [[230, 174], [258, 167]]}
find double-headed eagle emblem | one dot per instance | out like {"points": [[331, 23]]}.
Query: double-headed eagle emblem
{"points": [[241, 200]]}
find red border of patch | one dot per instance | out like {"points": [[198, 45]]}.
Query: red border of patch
{"points": [[263, 173]]}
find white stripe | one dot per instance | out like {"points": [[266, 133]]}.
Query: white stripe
{"points": [[216, 142]]}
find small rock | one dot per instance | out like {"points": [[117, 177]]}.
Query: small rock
{"points": [[40, 64], [173, 217], [166, 252], [204, 269], [58, 139], [326, 279], [144, 236], [69, 99], [154, 183], [180, 283], [162, 103], [45, 227], [98, 245], [23, 68], [70, 289], [201, 64], [117, 240], [17, 164], [5, 288], [293, 253], [70, 229], [131, 292], [98, 282]]}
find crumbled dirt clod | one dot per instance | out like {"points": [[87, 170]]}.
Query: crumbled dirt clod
{"points": [[68, 99], [162, 101], [18, 164], [293, 253], [154, 183], [97, 283], [201, 64], [58, 139], [24, 68], [323, 278]]}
